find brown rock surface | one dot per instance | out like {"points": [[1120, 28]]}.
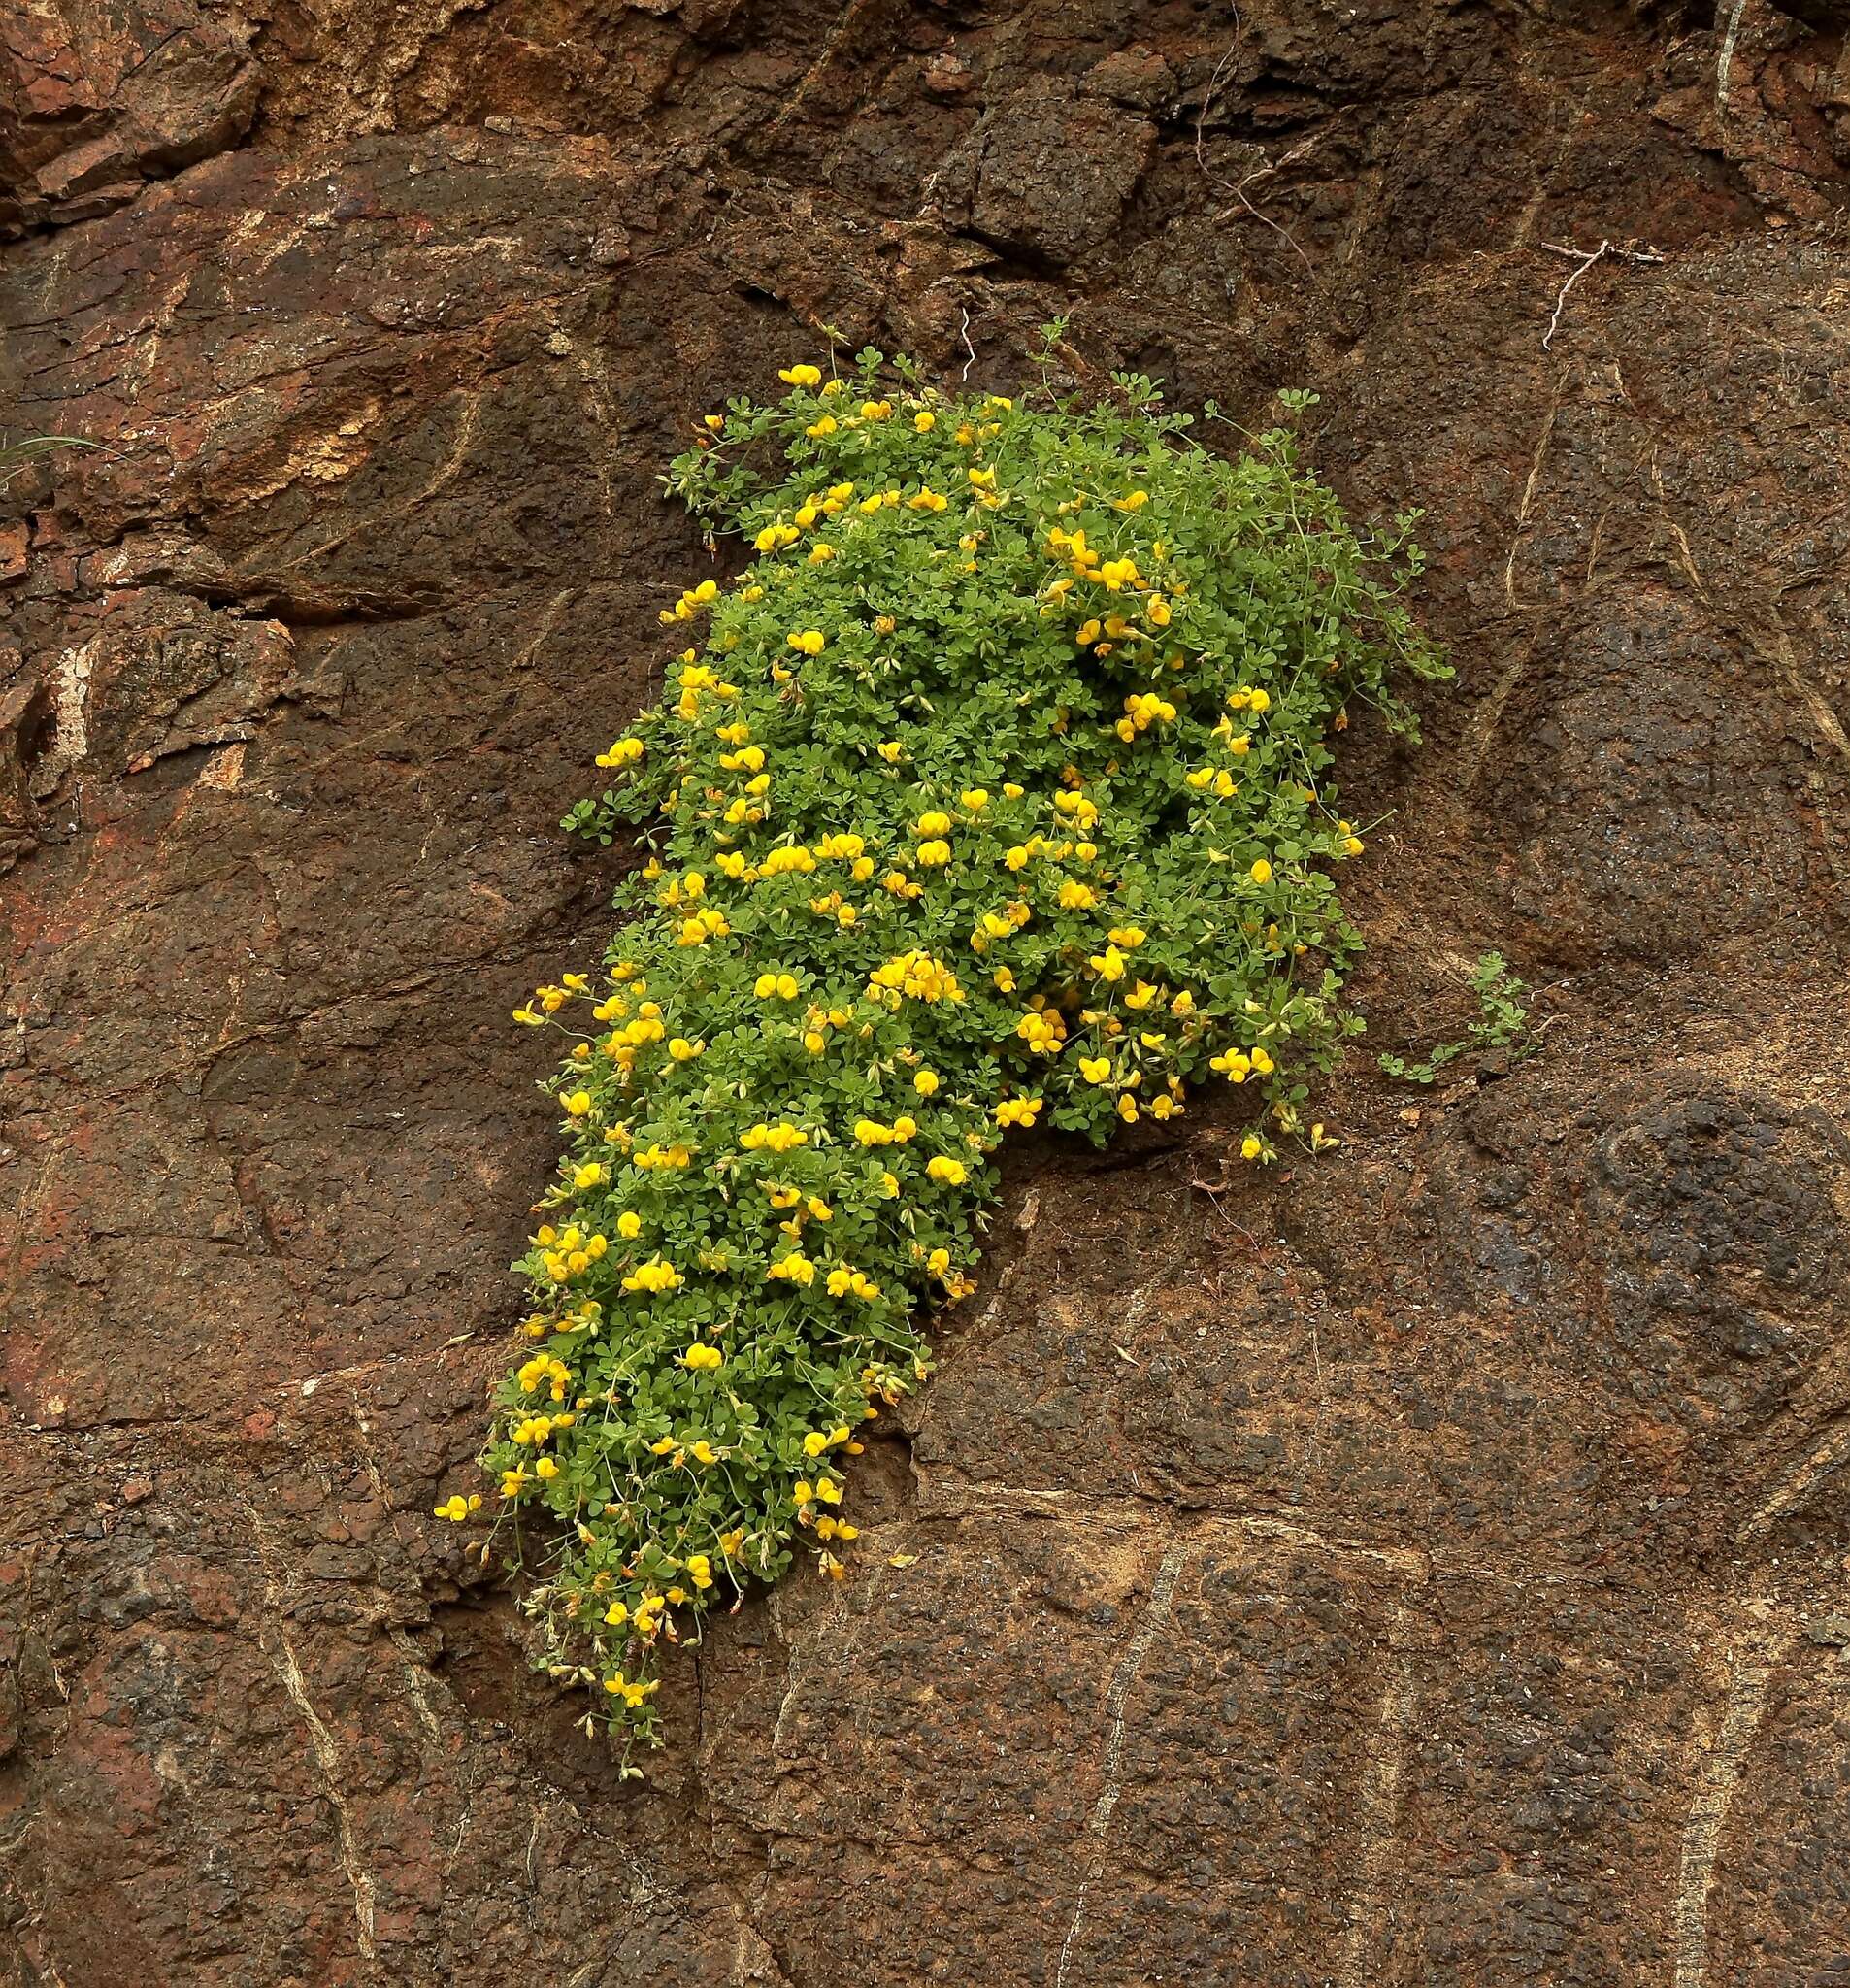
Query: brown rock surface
{"points": [[1425, 1567]]}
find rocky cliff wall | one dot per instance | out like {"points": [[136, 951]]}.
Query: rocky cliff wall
{"points": [[1426, 1567]]}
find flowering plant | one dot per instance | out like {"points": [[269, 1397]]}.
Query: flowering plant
{"points": [[990, 794]]}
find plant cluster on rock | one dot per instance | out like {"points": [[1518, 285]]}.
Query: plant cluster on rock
{"points": [[992, 793]]}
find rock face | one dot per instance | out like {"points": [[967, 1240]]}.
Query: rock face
{"points": [[1424, 1567]]}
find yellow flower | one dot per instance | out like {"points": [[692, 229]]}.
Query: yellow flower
{"points": [[657, 1275], [620, 1686], [1095, 1069], [625, 752], [1262, 872], [809, 641], [953, 1173], [800, 376], [924, 421], [925, 1082], [579, 1104]]}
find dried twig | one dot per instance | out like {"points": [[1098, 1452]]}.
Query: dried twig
{"points": [[1214, 84], [1266, 171], [1237, 189], [1584, 260], [1725, 62]]}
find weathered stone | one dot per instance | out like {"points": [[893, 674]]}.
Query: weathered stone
{"points": [[1417, 1567], [1047, 173], [93, 99]]}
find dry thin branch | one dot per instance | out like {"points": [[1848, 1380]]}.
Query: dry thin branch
{"points": [[1725, 62], [1214, 84], [1237, 189], [1584, 260], [1278, 165]]}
